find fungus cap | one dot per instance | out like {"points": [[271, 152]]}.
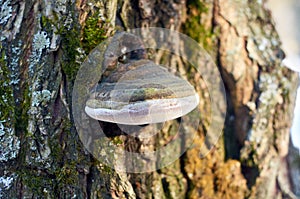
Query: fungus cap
{"points": [[141, 93]]}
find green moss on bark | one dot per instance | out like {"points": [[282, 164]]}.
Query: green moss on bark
{"points": [[6, 92], [22, 112], [76, 38], [93, 32], [70, 45], [193, 26]]}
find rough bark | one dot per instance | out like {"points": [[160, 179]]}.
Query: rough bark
{"points": [[42, 46]]}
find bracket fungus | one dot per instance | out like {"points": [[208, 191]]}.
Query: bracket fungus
{"points": [[139, 92]]}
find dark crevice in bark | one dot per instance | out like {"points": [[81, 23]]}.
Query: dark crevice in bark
{"points": [[232, 146], [89, 182], [165, 186], [184, 173], [251, 174]]}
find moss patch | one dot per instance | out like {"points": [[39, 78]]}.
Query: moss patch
{"points": [[6, 92], [70, 44], [93, 32], [74, 38], [193, 27], [33, 180], [22, 112]]}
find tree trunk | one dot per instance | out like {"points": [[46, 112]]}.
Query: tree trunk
{"points": [[42, 46]]}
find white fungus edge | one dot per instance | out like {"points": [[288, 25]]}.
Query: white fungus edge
{"points": [[161, 110]]}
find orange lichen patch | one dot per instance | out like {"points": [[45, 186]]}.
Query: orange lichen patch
{"points": [[230, 182], [200, 171], [210, 177]]}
